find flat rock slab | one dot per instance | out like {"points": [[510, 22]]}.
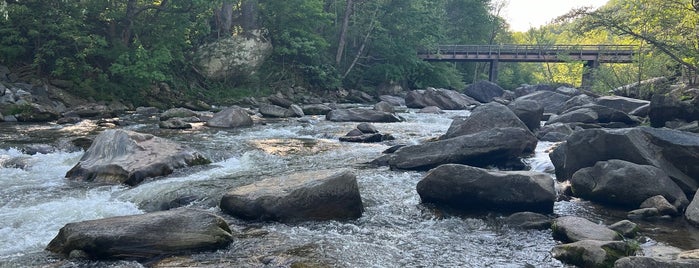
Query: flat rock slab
{"points": [[122, 156], [474, 189], [314, 195], [143, 237]]}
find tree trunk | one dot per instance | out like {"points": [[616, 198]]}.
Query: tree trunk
{"points": [[249, 9], [343, 33], [224, 19]]}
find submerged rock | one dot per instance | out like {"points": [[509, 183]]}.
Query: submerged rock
{"points": [[475, 189], [316, 195], [143, 237], [122, 156]]}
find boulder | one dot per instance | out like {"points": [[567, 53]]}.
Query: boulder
{"points": [[143, 237], [147, 110], [174, 123], [643, 214], [384, 107], [315, 195], [489, 147], [592, 253], [361, 115], [551, 101], [296, 110], [529, 89], [594, 114], [271, 110], [474, 189], [485, 117], [230, 118], [555, 132], [660, 203], [443, 98], [316, 109], [642, 111], [692, 212], [238, 56], [36, 113], [620, 103], [666, 149], [649, 262], [431, 110], [197, 105], [530, 112], [484, 91], [367, 128], [528, 220], [577, 101], [622, 183], [92, 110], [393, 100], [177, 113], [280, 101], [366, 138], [122, 156], [625, 228], [664, 108], [573, 229]]}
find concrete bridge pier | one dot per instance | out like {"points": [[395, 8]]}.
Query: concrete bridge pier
{"points": [[493, 74], [589, 69]]}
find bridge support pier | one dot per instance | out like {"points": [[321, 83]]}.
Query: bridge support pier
{"points": [[493, 74], [589, 69]]}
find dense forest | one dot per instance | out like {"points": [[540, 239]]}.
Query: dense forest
{"points": [[108, 49]]}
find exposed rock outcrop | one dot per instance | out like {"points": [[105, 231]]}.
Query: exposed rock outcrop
{"points": [[485, 117], [237, 56], [574, 229], [361, 115], [443, 98]]}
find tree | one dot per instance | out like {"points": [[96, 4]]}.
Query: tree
{"points": [[668, 26]]}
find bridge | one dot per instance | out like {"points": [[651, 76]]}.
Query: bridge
{"points": [[591, 55]]}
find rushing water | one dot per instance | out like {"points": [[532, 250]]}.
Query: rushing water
{"points": [[396, 230]]}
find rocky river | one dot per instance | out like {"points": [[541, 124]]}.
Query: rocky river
{"points": [[395, 230]]}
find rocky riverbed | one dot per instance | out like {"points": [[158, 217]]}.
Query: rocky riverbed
{"points": [[278, 187]]}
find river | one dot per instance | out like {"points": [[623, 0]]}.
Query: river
{"points": [[396, 230]]}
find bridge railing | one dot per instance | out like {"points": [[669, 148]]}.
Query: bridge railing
{"points": [[618, 50]]}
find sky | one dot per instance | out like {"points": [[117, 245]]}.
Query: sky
{"points": [[525, 14]]}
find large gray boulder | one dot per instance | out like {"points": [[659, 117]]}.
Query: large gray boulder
{"points": [[443, 98], [143, 237], [361, 115], [552, 102], [489, 147], [316, 109], [594, 114], [36, 113], [122, 156], [177, 113], [530, 112], [573, 229], [271, 110], [393, 100], [624, 104], [669, 150], [315, 195], [474, 189], [238, 56], [485, 117], [230, 118], [665, 108], [592, 253], [484, 91], [622, 183]]}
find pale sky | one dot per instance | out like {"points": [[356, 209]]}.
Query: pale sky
{"points": [[525, 14]]}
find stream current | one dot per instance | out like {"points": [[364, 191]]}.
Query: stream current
{"points": [[396, 230]]}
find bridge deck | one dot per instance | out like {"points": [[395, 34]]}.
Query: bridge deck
{"points": [[531, 53]]}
